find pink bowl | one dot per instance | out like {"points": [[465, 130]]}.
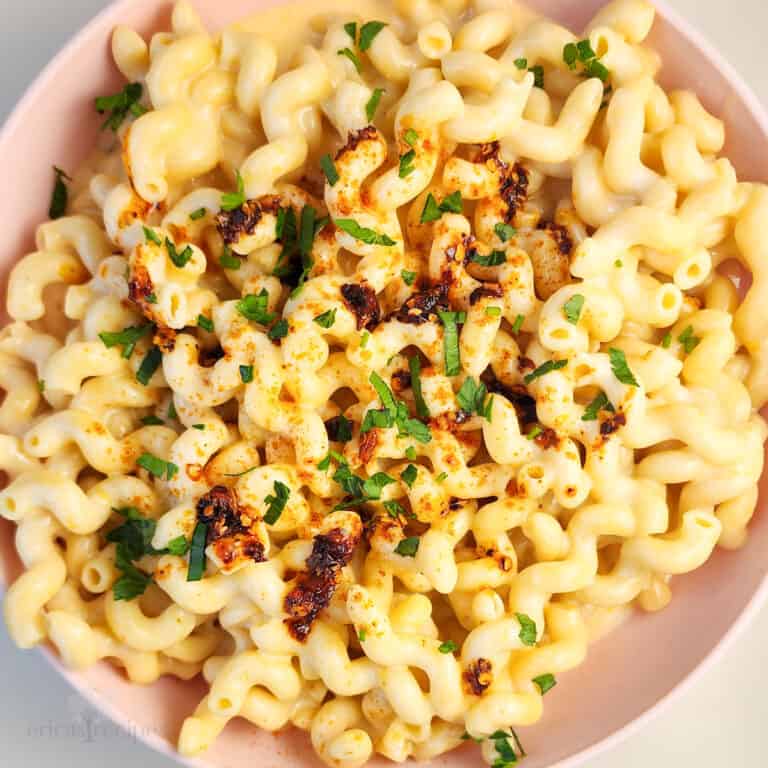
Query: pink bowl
{"points": [[630, 675]]}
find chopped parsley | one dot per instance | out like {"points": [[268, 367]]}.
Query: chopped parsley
{"points": [[600, 403], [151, 421], [667, 340], [149, 365], [179, 260], [447, 647], [352, 56], [410, 137], [620, 367], [410, 453], [201, 427], [504, 231], [373, 103], [538, 75], [231, 201], [450, 204], [408, 277], [409, 475], [126, 338], [365, 235], [364, 338], [521, 63], [205, 323], [368, 32], [120, 105], [157, 467], [276, 504], [518, 324], [505, 751], [278, 331], [394, 413], [133, 540], [493, 311], [472, 398], [197, 553], [545, 368], [151, 236], [572, 308], [198, 214], [229, 260], [451, 353], [351, 29], [406, 164], [359, 490], [414, 366], [582, 53], [492, 259], [408, 547], [441, 477], [60, 194], [545, 682], [254, 307], [326, 319], [325, 463], [527, 629], [361, 635], [688, 340], [394, 509], [246, 374], [329, 169]]}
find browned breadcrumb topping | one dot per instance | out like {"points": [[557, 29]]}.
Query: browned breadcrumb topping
{"points": [[423, 306], [525, 363], [315, 587], [360, 299], [612, 423], [231, 529], [478, 676], [140, 285], [486, 291], [232, 225], [547, 438], [513, 188], [165, 338], [560, 235], [369, 133], [368, 442]]}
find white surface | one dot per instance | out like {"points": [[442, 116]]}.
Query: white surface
{"points": [[43, 724]]}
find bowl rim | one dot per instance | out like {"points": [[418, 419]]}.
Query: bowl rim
{"points": [[745, 95]]}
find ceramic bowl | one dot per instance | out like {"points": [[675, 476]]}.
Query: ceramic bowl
{"points": [[632, 673]]}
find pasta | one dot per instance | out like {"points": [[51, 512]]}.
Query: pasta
{"points": [[367, 377]]}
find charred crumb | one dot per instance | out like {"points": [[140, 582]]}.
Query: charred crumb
{"points": [[207, 358], [401, 380], [478, 676], [525, 363], [231, 531], [547, 438], [232, 225], [524, 404], [422, 307], [369, 133], [360, 299], [140, 285], [560, 235], [486, 291], [514, 189], [368, 442], [314, 588], [612, 423], [165, 338], [454, 504]]}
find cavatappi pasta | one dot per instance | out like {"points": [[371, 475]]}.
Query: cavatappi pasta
{"points": [[365, 375]]}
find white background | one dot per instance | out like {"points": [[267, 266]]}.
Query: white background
{"points": [[721, 721]]}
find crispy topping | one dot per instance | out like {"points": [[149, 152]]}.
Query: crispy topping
{"points": [[360, 299], [231, 530], [612, 423], [478, 676], [401, 380], [232, 225], [513, 188], [369, 133], [525, 363], [140, 285], [165, 338], [486, 291], [368, 441], [560, 235], [422, 307], [547, 438], [314, 589]]}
